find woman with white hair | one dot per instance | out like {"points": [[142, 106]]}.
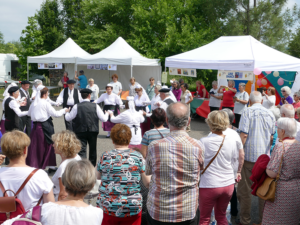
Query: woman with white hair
{"points": [[241, 100], [215, 97], [285, 160], [94, 88], [286, 99], [296, 104], [228, 94]]}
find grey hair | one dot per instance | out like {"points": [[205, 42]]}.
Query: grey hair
{"points": [[158, 87], [79, 177], [255, 97], [178, 119], [289, 125], [242, 84], [167, 93], [232, 81], [37, 82], [276, 112], [297, 93], [230, 115], [66, 72], [178, 85], [215, 82], [287, 89], [288, 110]]}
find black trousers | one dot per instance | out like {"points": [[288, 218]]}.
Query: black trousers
{"points": [[234, 204], [91, 139], [194, 221], [214, 108], [237, 120], [69, 124], [225, 107], [25, 121]]}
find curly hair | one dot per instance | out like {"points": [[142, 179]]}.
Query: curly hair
{"points": [[66, 143], [217, 121], [120, 134]]}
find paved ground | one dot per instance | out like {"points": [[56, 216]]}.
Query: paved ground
{"points": [[199, 130]]}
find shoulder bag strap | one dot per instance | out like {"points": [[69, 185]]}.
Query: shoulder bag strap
{"points": [[213, 157], [278, 175], [3, 189], [25, 182], [160, 134]]}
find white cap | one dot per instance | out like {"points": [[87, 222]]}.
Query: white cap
{"points": [[109, 85]]}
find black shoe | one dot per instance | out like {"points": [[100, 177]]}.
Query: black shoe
{"points": [[50, 170], [107, 136]]}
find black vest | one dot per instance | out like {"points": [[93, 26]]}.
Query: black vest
{"points": [[66, 96], [11, 116], [26, 107], [86, 118], [169, 101]]}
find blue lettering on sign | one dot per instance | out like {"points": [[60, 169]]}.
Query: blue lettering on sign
{"points": [[230, 75]]}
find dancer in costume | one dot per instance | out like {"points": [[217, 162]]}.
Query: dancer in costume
{"points": [[141, 101]]}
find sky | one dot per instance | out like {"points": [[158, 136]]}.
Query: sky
{"points": [[14, 16]]}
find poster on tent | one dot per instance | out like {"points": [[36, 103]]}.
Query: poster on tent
{"points": [[58, 66], [112, 67], [51, 66], [42, 66], [235, 75], [104, 67], [97, 67], [183, 72], [91, 66]]}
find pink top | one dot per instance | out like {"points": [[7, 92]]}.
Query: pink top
{"points": [[177, 93], [296, 106]]}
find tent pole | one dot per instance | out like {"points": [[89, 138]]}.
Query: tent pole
{"points": [[131, 69], [27, 71]]}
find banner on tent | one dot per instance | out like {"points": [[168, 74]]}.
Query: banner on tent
{"points": [[50, 66], [183, 72], [235, 75], [101, 67]]}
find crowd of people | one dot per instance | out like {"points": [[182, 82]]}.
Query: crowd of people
{"points": [[152, 174]]}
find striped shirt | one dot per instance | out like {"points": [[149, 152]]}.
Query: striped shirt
{"points": [[174, 163], [259, 123], [153, 135]]}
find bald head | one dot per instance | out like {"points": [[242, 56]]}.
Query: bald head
{"points": [[178, 115], [255, 97], [287, 110]]}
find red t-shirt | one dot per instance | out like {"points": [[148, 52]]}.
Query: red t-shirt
{"points": [[200, 92], [228, 98]]}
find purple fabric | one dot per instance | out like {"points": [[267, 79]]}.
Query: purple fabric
{"points": [[177, 93], [289, 99], [40, 153], [3, 126], [108, 125], [145, 127], [36, 216]]}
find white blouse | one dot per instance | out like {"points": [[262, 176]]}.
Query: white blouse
{"points": [[139, 101], [154, 100], [270, 102], [43, 110], [111, 99], [95, 91]]}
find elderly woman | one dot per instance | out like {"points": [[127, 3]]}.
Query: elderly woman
{"points": [[67, 146], [296, 104], [269, 98], [65, 79], [176, 90], [119, 193], [286, 207], [201, 90], [78, 179], [187, 98], [150, 88], [241, 100], [94, 88], [276, 113], [222, 161], [228, 94], [111, 102], [15, 146], [215, 97], [117, 86], [286, 99], [132, 86]]}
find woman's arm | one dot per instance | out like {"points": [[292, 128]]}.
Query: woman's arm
{"points": [[191, 99], [144, 150], [204, 92], [146, 180], [48, 197], [62, 191], [221, 91], [232, 89], [242, 101], [271, 173]]}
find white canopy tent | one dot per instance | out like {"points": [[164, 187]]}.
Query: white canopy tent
{"points": [[240, 53], [129, 63]]}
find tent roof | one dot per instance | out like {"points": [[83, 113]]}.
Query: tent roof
{"points": [[119, 53], [235, 53], [66, 53]]}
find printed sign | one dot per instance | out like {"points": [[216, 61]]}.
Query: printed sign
{"points": [[164, 77], [235, 75], [183, 72]]}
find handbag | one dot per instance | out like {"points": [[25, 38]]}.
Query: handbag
{"points": [[267, 190], [60, 84], [213, 157]]}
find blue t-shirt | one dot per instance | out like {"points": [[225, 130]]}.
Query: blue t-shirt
{"points": [[83, 81], [152, 135]]}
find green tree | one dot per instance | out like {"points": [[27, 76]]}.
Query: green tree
{"points": [[294, 45]]}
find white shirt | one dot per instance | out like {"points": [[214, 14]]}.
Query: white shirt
{"points": [[33, 94], [71, 115], [111, 99], [39, 184], [14, 105], [139, 101], [117, 86], [58, 174], [270, 102], [214, 102], [154, 100], [42, 111], [54, 214], [239, 107], [128, 118], [164, 105], [95, 91], [19, 98], [220, 173], [187, 97], [70, 101]]}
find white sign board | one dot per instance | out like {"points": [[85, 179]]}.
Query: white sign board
{"points": [[235, 75], [183, 72]]}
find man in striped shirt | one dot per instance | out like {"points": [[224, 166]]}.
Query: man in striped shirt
{"points": [[174, 163]]}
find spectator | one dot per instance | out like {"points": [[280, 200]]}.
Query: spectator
{"points": [[241, 99], [79, 178], [231, 118], [181, 81], [132, 86], [119, 193], [81, 78], [174, 163], [218, 178], [67, 146], [201, 90], [150, 88], [117, 86], [296, 104], [228, 94], [276, 114], [65, 79], [286, 99], [287, 110], [176, 90], [298, 113], [215, 98], [2, 157], [14, 145], [156, 97], [94, 88], [187, 98], [257, 127], [286, 207], [269, 98]]}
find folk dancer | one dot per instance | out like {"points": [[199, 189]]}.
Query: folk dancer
{"points": [[5, 95]]}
